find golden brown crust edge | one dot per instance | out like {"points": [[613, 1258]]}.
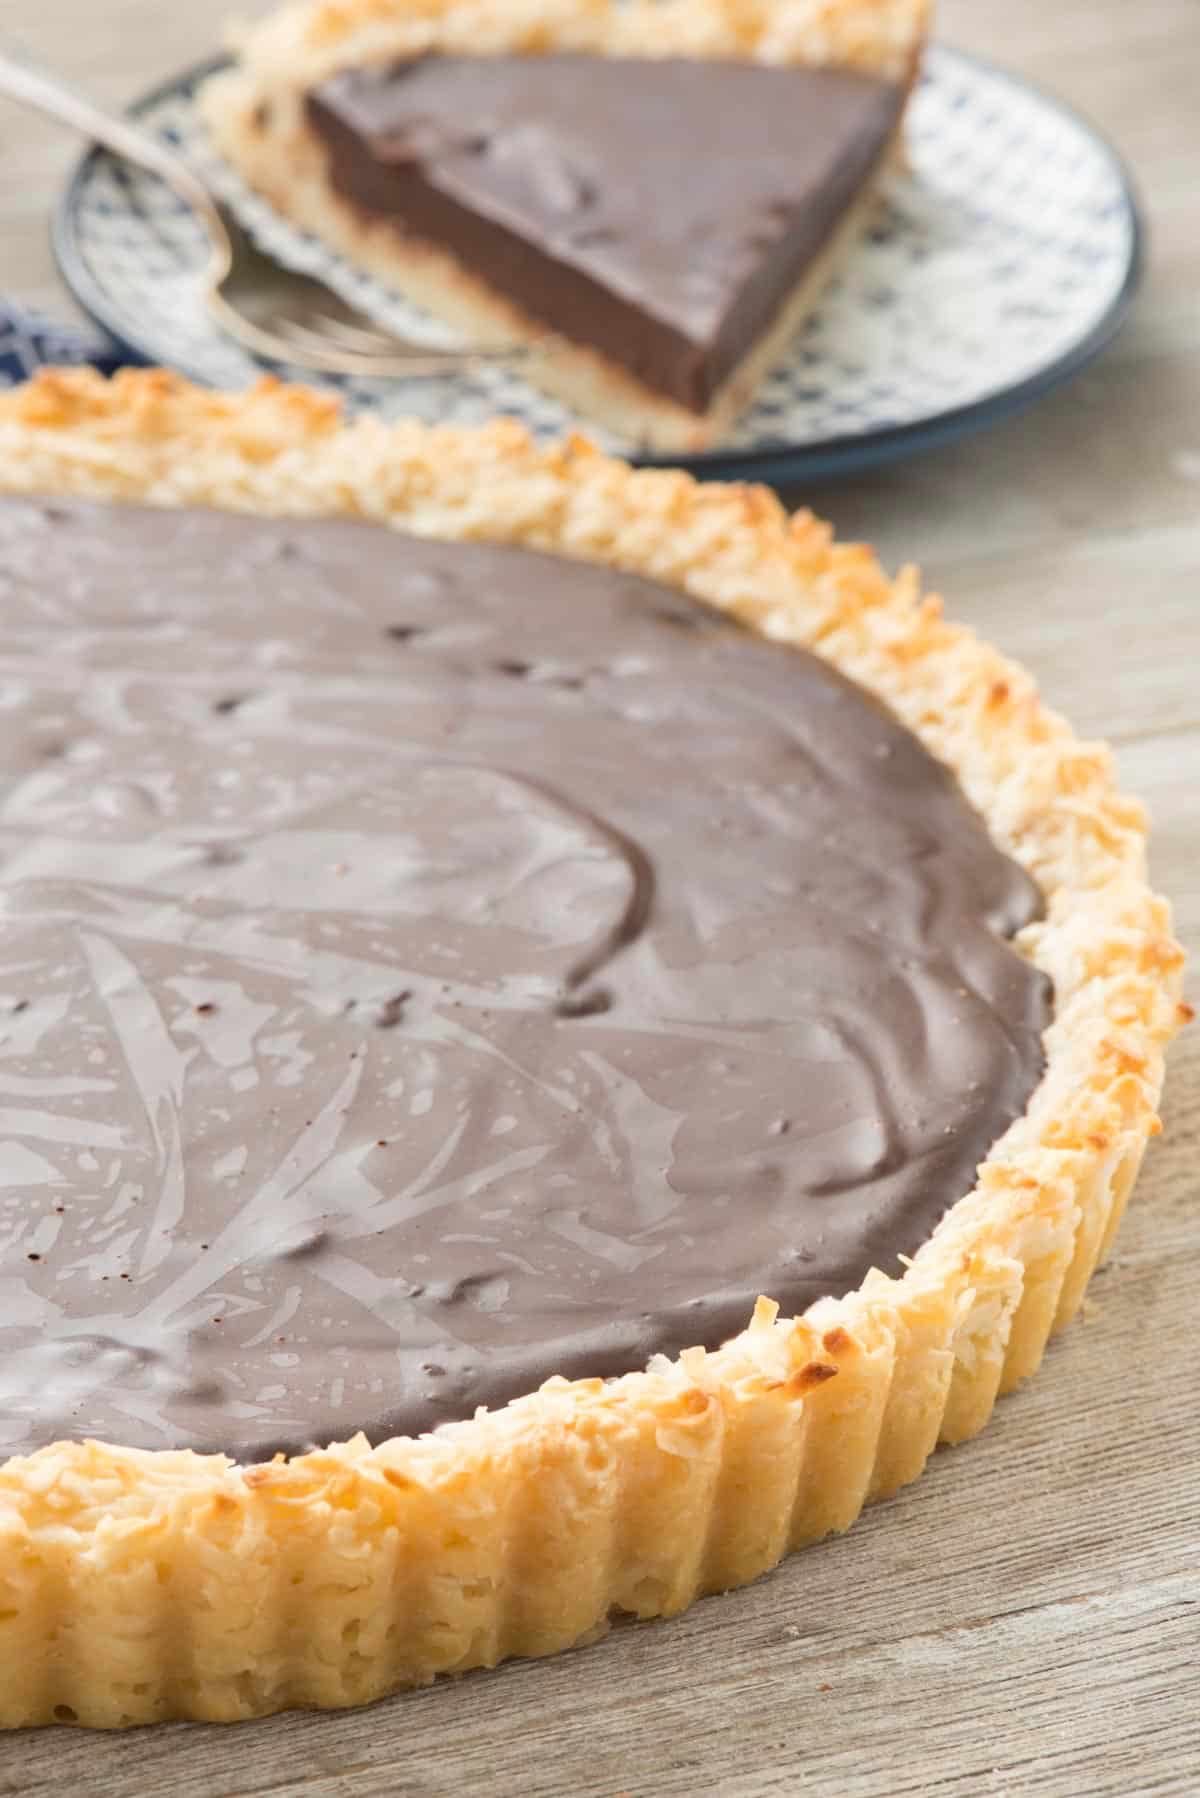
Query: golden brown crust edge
{"points": [[256, 118], [306, 40], [136, 1586]]}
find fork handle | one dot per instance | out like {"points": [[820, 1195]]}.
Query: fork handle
{"points": [[35, 87]]}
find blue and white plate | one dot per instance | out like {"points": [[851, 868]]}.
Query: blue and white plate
{"points": [[1003, 260]]}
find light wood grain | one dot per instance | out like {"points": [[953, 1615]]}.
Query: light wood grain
{"points": [[1027, 1618]]}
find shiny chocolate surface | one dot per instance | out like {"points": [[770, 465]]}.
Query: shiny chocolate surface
{"points": [[431, 967]]}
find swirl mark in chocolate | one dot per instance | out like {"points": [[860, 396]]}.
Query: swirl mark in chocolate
{"points": [[427, 968]]}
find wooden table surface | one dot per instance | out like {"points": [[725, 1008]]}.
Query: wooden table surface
{"points": [[1026, 1619]]}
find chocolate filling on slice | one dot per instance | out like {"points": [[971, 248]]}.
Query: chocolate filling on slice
{"points": [[660, 212], [431, 967]]}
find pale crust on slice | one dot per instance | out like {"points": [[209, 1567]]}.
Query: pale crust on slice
{"points": [[256, 117], [137, 1585]]}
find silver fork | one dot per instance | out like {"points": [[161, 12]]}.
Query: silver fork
{"points": [[267, 308]]}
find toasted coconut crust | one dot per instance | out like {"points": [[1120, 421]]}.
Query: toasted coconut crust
{"points": [[137, 1585], [256, 116], [307, 40]]}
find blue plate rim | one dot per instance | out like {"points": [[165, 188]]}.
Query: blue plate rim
{"points": [[782, 464]]}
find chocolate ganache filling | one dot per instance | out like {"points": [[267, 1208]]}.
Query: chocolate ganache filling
{"points": [[658, 210], [427, 968]]}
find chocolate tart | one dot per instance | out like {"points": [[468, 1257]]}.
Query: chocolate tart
{"points": [[500, 941], [654, 195]]}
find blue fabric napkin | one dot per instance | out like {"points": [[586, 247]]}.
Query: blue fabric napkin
{"points": [[27, 340]]}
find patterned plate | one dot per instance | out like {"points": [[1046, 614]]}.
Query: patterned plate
{"points": [[1002, 261]]}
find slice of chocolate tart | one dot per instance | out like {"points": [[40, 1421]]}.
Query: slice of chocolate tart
{"points": [[653, 210]]}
